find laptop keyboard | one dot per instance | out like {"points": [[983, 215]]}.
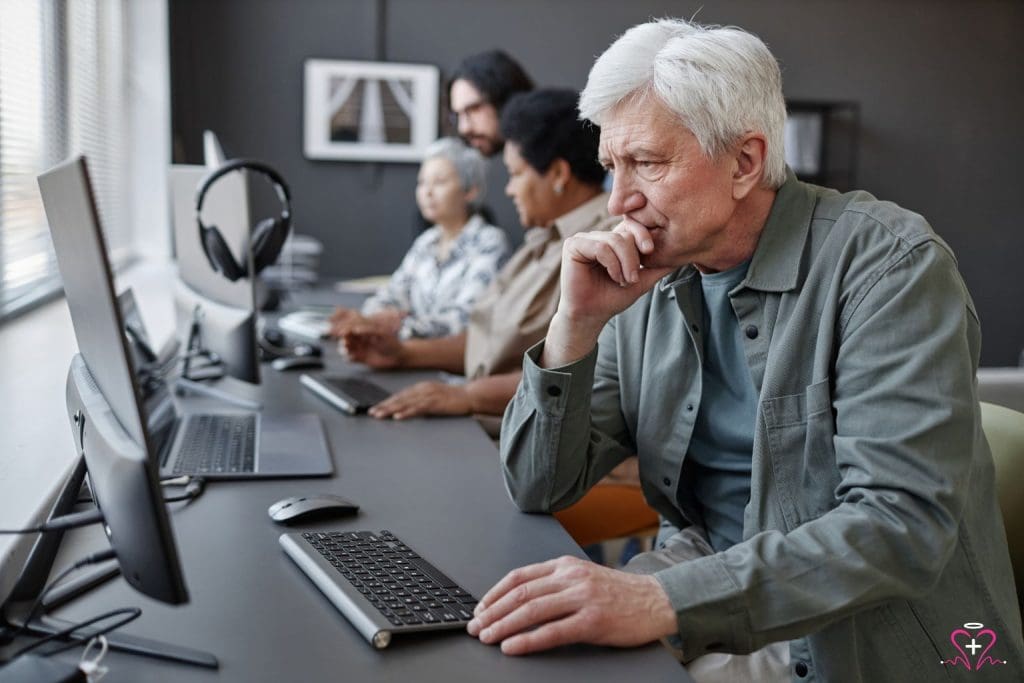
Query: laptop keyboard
{"points": [[379, 583], [217, 444]]}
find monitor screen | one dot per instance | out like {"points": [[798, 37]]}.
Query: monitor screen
{"points": [[102, 388]]}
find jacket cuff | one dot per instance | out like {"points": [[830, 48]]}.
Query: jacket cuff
{"points": [[710, 612], [557, 391]]}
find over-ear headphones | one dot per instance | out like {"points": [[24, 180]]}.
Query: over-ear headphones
{"points": [[267, 236]]}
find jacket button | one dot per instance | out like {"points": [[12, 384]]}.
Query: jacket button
{"points": [[666, 481], [801, 669], [554, 391], [689, 407], [751, 332]]}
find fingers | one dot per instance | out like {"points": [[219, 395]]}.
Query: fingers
{"points": [[638, 232], [513, 579], [552, 634], [615, 251], [401, 405], [424, 398], [526, 605]]}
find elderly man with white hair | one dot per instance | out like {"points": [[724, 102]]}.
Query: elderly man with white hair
{"points": [[794, 368]]}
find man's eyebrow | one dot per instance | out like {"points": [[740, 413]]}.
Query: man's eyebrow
{"points": [[642, 150]]}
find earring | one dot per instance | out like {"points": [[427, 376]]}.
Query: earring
{"points": [[558, 188]]}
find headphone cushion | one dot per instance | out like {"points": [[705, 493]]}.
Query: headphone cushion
{"points": [[267, 241], [219, 254]]}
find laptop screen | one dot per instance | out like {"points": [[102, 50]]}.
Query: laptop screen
{"points": [[150, 375]]}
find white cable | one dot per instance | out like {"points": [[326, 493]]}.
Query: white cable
{"points": [[92, 668]]}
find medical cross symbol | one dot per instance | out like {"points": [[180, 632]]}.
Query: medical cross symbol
{"points": [[966, 638]]}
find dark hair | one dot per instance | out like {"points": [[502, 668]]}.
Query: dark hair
{"points": [[496, 75], [545, 125]]}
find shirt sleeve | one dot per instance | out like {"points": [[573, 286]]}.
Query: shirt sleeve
{"points": [[904, 414], [563, 430], [483, 257]]}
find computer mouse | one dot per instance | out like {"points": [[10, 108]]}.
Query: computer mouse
{"points": [[310, 508], [296, 362]]}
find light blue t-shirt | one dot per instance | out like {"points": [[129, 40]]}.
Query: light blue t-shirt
{"points": [[723, 436]]}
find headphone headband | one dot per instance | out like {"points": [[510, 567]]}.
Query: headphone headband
{"points": [[267, 237], [280, 186]]}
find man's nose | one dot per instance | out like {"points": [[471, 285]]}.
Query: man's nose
{"points": [[624, 199]]}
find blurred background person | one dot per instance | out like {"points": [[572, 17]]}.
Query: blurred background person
{"points": [[480, 87], [449, 265], [555, 183]]}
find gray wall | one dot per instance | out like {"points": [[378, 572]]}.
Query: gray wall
{"points": [[939, 83]]}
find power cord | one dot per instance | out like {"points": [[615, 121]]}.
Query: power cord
{"points": [[131, 614], [194, 487], [94, 558]]}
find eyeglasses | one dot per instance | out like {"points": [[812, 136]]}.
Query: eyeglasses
{"points": [[468, 111]]}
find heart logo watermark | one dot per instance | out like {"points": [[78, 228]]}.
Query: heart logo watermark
{"points": [[976, 640]]}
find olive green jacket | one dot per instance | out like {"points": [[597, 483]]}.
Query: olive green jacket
{"points": [[872, 531]]}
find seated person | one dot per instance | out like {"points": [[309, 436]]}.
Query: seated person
{"points": [[450, 265], [555, 182], [795, 369]]}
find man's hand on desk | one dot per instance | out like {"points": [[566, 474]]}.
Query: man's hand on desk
{"points": [[424, 398], [569, 600]]}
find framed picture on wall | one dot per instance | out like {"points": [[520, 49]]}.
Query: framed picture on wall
{"points": [[369, 111]]}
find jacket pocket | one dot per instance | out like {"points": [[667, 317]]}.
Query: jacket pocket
{"points": [[800, 429]]}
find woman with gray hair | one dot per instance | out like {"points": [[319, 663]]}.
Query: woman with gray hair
{"points": [[450, 265]]}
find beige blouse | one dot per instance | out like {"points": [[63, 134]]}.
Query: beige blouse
{"points": [[514, 313]]}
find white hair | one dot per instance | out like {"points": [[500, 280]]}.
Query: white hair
{"points": [[721, 82], [468, 163]]}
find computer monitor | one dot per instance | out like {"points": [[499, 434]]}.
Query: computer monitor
{"points": [[103, 397], [227, 309]]}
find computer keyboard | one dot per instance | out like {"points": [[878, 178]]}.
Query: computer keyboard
{"points": [[379, 584], [217, 444], [352, 395]]}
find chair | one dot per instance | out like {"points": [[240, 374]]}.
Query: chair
{"points": [[1004, 429], [614, 508]]}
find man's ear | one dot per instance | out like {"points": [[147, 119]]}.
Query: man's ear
{"points": [[748, 164], [471, 194]]}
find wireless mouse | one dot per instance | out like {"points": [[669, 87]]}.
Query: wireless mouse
{"points": [[310, 508]]}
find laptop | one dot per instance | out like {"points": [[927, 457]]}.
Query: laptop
{"points": [[216, 445]]}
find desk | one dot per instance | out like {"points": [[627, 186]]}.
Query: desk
{"points": [[434, 482]]}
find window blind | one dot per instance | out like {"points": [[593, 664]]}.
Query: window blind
{"points": [[62, 92]]}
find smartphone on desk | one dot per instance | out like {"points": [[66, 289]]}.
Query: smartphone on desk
{"points": [[352, 395]]}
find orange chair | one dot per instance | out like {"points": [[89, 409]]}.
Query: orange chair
{"points": [[614, 508]]}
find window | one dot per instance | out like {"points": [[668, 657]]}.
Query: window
{"points": [[63, 91]]}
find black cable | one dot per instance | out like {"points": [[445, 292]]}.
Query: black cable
{"points": [[32, 530], [193, 490], [132, 613], [95, 558]]}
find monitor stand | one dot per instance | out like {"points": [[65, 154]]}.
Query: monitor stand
{"points": [[32, 581]]}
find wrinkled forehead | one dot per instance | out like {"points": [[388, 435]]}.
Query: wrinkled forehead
{"points": [[640, 123]]}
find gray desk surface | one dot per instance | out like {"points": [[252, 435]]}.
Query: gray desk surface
{"points": [[434, 482]]}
